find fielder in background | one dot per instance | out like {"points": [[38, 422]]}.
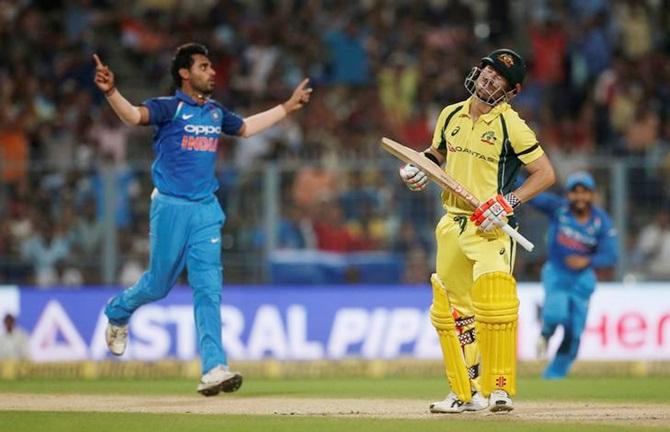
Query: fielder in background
{"points": [[186, 218], [581, 238], [475, 306]]}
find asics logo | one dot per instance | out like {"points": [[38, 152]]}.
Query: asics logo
{"points": [[202, 129]]}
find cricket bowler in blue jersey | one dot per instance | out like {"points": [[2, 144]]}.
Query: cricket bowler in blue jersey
{"points": [[186, 218], [581, 238]]}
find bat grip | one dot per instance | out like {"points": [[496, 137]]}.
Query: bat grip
{"points": [[516, 235]]}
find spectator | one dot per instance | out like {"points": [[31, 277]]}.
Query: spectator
{"points": [[111, 136], [398, 87], [332, 234], [600, 75], [652, 252], [295, 230], [636, 28], [349, 60], [312, 184], [44, 250], [13, 148], [14, 342], [87, 234]]}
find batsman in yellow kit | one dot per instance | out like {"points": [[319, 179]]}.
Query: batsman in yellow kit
{"points": [[483, 143]]}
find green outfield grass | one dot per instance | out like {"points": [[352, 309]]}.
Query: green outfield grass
{"points": [[638, 390], [646, 389], [66, 422]]}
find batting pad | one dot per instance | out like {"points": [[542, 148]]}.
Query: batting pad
{"points": [[496, 305], [452, 355]]}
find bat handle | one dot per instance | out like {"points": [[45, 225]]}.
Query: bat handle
{"points": [[516, 235]]}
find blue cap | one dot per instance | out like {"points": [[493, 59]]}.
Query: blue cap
{"points": [[580, 178]]}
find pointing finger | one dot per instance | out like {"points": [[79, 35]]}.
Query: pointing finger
{"points": [[98, 63]]}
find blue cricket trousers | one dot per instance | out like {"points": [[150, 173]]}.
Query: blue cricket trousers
{"points": [[566, 303], [182, 233]]}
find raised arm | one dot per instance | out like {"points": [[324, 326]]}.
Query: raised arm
{"points": [[127, 112], [547, 202], [261, 121]]}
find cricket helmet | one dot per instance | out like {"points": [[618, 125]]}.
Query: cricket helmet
{"points": [[507, 63]]}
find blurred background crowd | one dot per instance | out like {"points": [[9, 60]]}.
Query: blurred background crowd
{"points": [[76, 181]]}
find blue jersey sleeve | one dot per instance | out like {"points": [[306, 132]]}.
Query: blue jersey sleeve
{"points": [[231, 122], [161, 109], [606, 253], [547, 203]]}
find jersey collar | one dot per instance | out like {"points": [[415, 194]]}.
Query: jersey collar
{"points": [[489, 116], [188, 99]]}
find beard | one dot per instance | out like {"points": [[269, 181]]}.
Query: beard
{"points": [[203, 87]]}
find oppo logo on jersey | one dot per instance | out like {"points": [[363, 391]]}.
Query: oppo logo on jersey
{"points": [[202, 129]]}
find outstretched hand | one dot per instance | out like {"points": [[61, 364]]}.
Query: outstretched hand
{"points": [[300, 97], [104, 77]]}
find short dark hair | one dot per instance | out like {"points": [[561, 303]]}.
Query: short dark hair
{"points": [[183, 59]]}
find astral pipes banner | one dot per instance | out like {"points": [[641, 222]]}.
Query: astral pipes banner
{"points": [[323, 322]]}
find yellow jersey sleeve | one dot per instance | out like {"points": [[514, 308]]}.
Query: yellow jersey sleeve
{"points": [[439, 142], [523, 140], [438, 136]]}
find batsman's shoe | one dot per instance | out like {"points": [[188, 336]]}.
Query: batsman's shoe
{"points": [[117, 338], [454, 405], [219, 379], [499, 401]]}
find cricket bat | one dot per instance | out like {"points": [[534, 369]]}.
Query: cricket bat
{"points": [[444, 180]]}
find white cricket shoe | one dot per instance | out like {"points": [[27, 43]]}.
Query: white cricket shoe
{"points": [[499, 401], [454, 405], [117, 338], [219, 379]]}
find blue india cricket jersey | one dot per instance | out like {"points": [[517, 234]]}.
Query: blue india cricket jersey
{"points": [[185, 142], [596, 238]]}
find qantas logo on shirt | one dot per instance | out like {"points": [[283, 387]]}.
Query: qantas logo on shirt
{"points": [[453, 148], [202, 129]]}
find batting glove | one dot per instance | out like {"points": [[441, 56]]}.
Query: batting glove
{"points": [[492, 213], [414, 178]]}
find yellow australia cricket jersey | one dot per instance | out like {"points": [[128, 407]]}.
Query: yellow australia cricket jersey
{"points": [[484, 156]]}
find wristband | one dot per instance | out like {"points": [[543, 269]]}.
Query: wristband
{"points": [[512, 199]]}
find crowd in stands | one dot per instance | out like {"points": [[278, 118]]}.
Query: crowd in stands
{"points": [[598, 89]]}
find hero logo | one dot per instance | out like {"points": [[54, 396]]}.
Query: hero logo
{"points": [[202, 129]]}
